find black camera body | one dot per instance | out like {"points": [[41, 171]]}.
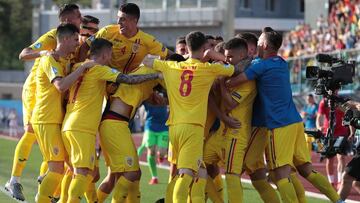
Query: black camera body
{"points": [[340, 73], [330, 146], [352, 117], [327, 82]]}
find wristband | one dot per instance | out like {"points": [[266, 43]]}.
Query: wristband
{"points": [[43, 53]]}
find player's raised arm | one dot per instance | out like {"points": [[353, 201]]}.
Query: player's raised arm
{"points": [[63, 84], [135, 79], [149, 60]]}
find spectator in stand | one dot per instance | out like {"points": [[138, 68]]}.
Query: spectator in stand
{"points": [[338, 31]]}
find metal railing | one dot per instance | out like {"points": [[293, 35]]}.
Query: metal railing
{"points": [[297, 66]]}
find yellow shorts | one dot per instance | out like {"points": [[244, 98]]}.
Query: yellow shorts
{"points": [[118, 147], [235, 149], [309, 141], [187, 142], [28, 102], [287, 146], [81, 148], [254, 155], [50, 141], [214, 152], [172, 157]]}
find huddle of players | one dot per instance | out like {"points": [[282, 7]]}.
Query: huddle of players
{"points": [[69, 135], [257, 117]]}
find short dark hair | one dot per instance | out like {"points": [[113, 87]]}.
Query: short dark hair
{"points": [[180, 40], [249, 37], [310, 95], [219, 38], [195, 40], [67, 9], [65, 30], [98, 45], [220, 47], [209, 37], [236, 43], [90, 19], [273, 38], [131, 9], [176, 57]]}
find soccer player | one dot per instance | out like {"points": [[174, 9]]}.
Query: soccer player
{"points": [[188, 84], [116, 142], [309, 114], [130, 44], [51, 83], [156, 135], [44, 45], [181, 46], [282, 120], [89, 26], [232, 141], [83, 114]]}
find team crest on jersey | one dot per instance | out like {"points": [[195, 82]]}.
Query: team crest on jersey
{"points": [[54, 70], [56, 150], [37, 45], [135, 48], [129, 161], [163, 48]]}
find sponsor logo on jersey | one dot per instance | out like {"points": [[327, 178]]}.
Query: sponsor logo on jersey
{"points": [[129, 161]]}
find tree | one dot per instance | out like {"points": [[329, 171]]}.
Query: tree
{"points": [[15, 32]]}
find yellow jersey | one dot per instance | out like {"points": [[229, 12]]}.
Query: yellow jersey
{"points": [[83, 111], [188, 84], [128, 53], [135, 94], [45, 42], [48, 106], [245, 95]]}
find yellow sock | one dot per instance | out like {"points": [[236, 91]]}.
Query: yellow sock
{"points": [[77, 188], [65, 183], [121, 190], [266, 191], [181, 188], [299, 188], [234, 188], [90, 192], [219, 184], [22, 152], [101, 196], [322, 184], [287, 191], [170, 190], [49, 185], [197, 192], [134, 193], [211, 192]]}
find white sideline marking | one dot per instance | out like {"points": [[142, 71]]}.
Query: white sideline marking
{"points": [[309, 194], [2, 189]]}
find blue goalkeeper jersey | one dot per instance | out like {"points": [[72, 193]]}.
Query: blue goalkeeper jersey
{"points": [[275, 105]]}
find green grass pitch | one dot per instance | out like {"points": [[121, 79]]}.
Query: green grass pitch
{"points": [[149, 193]]}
